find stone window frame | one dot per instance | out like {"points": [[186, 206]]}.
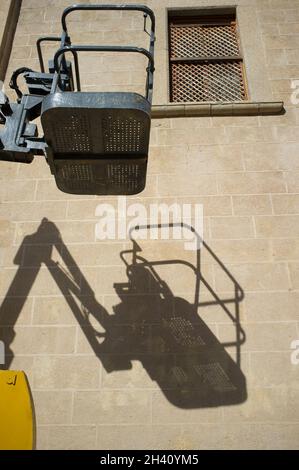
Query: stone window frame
{"points": [[259, 91]]}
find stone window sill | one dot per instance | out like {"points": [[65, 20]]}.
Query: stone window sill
{"points": [[172, 110]]}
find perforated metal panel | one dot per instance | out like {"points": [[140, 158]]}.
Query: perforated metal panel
{"points": [[205, 60], [124, 176], [76, 176], [123, 135], [73, 135]]}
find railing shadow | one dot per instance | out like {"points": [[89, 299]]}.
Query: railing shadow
{"points": [[150, 324]]}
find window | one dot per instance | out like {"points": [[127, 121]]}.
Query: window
{"points": [[205, 61]]}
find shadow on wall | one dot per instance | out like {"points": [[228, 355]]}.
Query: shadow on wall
{"points": [[150, 324]]}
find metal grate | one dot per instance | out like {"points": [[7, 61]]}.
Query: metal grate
{"points": [[205, 60], [218, 81], [203, 41]]}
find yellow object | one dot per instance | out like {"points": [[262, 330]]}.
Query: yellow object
{"points": [[16, 412]]}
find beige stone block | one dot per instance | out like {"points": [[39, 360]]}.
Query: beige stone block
{"points": [[181, 279], [70, 231], [274, 336], [32, 15], [138, 437], [271, 306], [251, 183], [48, 191], [22, 40], [278, 86], [265, 404], [245, 134], [252, 205], [167, 159], [212, 205], [278, 226], [107, 407], [269, 29], [253, 436], [292, 181], [191, 122], [283, 4], [231, 227], [292, 55], [86, 209], [21, 52], [34, 211], [9, 171], [294, 273], [52, 407], [214, 158], [239, 251], [41, 340], [270, 16], [186, 184], [277, 57], [66, 438], [288, 156], [15, 311], [67, 372], [39, 27], [121, 62], [21, 191], [286, 133], [291, 15], [202, 136], [104, 253], [281, 42], [133, 379], [273, 369], [165, 413], [7, 230], [282, 77], [255, 277], [261, 156], [52, 311], [285, 249], [285, 203], [37, 169]]}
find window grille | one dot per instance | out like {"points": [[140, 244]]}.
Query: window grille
{"points": [[205, 62]]}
